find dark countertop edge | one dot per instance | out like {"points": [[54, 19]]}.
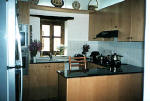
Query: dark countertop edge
{"points": [[50, 62], [98, 75]]}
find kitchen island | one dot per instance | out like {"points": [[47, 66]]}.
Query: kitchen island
{"points": [[100, 84]]}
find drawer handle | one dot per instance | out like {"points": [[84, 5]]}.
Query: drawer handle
{"points": [[129, 37]]}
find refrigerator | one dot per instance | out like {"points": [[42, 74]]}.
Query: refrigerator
{"points": [[11, 72]]}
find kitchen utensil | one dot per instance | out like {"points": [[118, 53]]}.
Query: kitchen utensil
{"points": [[92, 7], [94, 56]]}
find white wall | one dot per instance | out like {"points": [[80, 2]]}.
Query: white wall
{"points": [[35, 22], [75, 30]]}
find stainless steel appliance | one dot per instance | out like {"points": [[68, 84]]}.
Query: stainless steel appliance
{"points": [[23, 29], [94, 56], [11, 72]]}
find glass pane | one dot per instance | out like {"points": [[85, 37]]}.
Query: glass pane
{"points": [[57, 30], [57, 42], [45, 44], [45, 30]]}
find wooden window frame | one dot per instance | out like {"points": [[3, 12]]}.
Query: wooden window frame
{"points": [[52, 23]]}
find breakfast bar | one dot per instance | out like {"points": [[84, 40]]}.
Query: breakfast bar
{"points": [[101, 84]]}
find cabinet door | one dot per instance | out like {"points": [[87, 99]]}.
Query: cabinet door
{"points": [[91, 27], [25, 88], [124, 21], [99, 21], [51, 81], [38, 82], [23, 12], [131, 20], [43, 81], [137, 20], [103, 20], [57, 66]]}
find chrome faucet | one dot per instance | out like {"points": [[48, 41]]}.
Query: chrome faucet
{"points": [[50, 55]]}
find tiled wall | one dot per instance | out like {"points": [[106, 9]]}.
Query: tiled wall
{"points": [[132, 52], [75, 47]]}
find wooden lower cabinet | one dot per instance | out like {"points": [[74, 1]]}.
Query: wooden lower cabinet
{"points": [[41, 83], [125, 87]]}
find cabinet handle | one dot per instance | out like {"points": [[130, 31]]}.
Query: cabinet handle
{"points": [[129, 37]]}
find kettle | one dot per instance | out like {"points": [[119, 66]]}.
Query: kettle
{"points": [[101, 59], [94, 56], [116, 57], [116, 60]]}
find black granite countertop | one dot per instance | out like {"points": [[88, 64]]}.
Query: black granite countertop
{"points": [[124, 69]]}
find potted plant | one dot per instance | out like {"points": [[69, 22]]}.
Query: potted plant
{"points": [[86, 48], [61, 49], [34, 47]]}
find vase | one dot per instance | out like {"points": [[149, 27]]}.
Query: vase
{"points": [[34, 59]]}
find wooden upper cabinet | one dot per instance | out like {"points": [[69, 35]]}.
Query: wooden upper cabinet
{"points": [[103, 20], [131, 20], [127, 17], [124, 21], [24, 12], [137, 19]]}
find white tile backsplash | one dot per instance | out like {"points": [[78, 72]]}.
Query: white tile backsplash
{"points": [[132, 52], [75, 47]]}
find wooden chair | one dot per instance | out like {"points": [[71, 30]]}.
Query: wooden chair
{"points": [[77, 61]]}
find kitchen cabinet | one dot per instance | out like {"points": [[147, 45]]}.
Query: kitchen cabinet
{"points": [[23, 12], [41, 83], [131, 20], [126, 16], [123, 87], [103, 20]]}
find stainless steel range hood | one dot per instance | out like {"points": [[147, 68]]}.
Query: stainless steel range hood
{"points": [[107, 34]]}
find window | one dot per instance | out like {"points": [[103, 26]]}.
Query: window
{"points": [[52, 35]]}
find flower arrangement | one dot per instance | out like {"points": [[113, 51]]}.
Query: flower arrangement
{"points": [[34, 47], [85, 48]]}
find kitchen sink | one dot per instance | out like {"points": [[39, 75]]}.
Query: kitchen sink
{"points": [[54, 59]]}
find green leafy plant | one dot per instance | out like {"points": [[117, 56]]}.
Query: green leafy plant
{"points": [[61, 49]]}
